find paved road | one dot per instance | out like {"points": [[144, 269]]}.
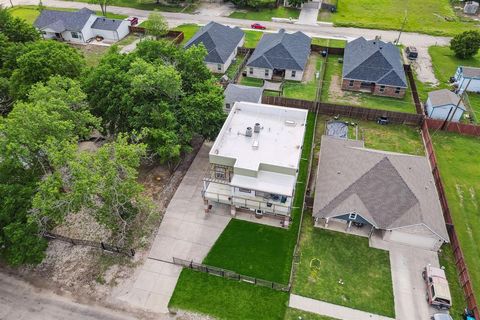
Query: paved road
{"points": [[20, 301]]}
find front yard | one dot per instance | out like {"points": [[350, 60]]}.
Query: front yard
{"points": [[459, 167], [265, 14], [445, 62], [333, 93]]}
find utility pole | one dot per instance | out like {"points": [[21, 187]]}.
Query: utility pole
{"points": [[460, 100], [401, 29]]}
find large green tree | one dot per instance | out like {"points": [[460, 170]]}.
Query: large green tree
{"points": [[466, 44], [156, 26], [16, 29]]}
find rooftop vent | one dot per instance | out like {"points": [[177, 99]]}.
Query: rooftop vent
{"points": [[248, 132], [257, 128], [290, 123], [255, 145]]}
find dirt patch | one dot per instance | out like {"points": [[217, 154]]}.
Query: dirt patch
{"points": [[336, 94], [309, 73]]}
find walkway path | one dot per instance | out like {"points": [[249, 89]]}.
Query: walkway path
{"points": [[185, 232], [331, 310]]}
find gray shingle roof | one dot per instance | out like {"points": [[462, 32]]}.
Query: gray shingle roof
{"points": [[102, 23], [444, 97], [61, 21], [470, 72], [281, 51], [390, 190], [236, 93], [373, 61], [219, 40]]}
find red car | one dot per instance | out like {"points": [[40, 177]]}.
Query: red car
{"points": [[258, 26]]}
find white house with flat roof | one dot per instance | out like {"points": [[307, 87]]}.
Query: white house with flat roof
{"points": [[255, 159]]}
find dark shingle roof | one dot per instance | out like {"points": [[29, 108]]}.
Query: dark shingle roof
{"points": [[281, 51], [219, 40], [237, 93], [390, 190], [106, 24], [61, 21], [374, 61], [470, 72]]}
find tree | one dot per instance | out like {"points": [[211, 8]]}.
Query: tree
{"points": [[466, 44], [103, 5], [296, 3], [156, 26], [16, 29], [39, 61]]}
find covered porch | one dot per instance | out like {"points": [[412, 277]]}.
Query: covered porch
{"points": [[362, 229]]}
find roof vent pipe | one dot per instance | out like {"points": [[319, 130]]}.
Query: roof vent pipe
{"points": [[256, 128], [248, 132]]}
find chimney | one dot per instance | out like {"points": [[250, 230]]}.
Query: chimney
{"points": [[257, 128]]}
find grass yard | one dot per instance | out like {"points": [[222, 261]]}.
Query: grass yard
{"points": [[151, 5], [328, 257], [227, 299], [305, 90], [261, 251], [474, 103], [252, 37], [445, 62], [295, 314], [427, 16], [266, 14], [332, 43], [458, 159], [92, 53], [332, 92], [458, 301], [30, 13], [234, 66], [253, 82], [188, 31]]}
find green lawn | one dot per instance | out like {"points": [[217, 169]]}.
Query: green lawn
{"points": [[295, 314], [266, 14], [227, 299], [252, 37], [342, 269], [445, 63], [253, 82], [458, 158], [261, 251], [232, 69], [30, 13], [332, 92], [427, 16], [458, 299], [474, 102], [305, 90], [332, 43], [188, 31], [151, 5], [93, 54]]}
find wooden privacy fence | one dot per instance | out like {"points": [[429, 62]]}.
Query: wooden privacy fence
{"points": [[329, 50], [177, 36], [462, 269], [461, 128], [230, 274], [102, 245], [346, 111], [413, 88]]}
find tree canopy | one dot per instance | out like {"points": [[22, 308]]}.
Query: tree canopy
{"points": [[466, 44], [16, 29], [156, 25]]}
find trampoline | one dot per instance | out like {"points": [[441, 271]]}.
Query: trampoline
{"points": [[337, 129]]}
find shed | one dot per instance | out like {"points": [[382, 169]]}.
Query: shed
{"points": [[467, 78], [442, 103], [238, 93]]}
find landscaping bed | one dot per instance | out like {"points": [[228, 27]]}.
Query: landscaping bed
{"points": [[265, 14], [333, 93]]}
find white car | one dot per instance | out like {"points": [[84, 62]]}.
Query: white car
{"points": [[441, 316]]}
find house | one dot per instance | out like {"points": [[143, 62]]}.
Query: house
{"points": [[442, 104], [375, 67], [389, 195], [255, 159], [79, 26], [221, 42], [281, 54], [238, 93], [467, 78]]}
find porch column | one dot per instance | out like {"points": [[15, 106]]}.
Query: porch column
{"points": [[349, 225], [233, 211], [326, 222], [207, 208]]}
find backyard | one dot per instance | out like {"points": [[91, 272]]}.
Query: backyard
{"points": [[435, 17], [266, 14], [307, 88], [458, 162], [332, 92]]}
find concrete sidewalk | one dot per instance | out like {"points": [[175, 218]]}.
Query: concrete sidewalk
{"points": [[185, 232], [331, 310]]}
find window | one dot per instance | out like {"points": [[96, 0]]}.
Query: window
{"points": [[244, 190], [220, 173], [250, 71], [227, 105], [397, 90], [267, 72], [76, 35], [352, 216], [219, 67], [294, 73], [382, 89], [350, 83]]}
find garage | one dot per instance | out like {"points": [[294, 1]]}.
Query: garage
{"points": [[427, 241]]}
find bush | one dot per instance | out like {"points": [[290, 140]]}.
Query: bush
{"points": [[466, 44]]}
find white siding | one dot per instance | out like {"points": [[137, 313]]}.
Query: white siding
{"points": [[441, 113], [213, 67], [259, 73], [87, 29], [298, 75], [474, 85]]}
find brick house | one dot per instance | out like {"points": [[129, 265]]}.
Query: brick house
{"points": [[373, 66]]}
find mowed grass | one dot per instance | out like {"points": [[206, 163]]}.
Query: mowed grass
{"points": [[295, 314], [458, 159], [307, 89], [188, 31], [266, 14], [150, 5], [332, 43], [427, 16], [342, 269], [458, 299], [227, 299], [253, 82], [332, 92], [445, 62], [262, 251]]}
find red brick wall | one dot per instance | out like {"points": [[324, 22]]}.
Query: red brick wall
{"points": [[388, 92], [355, 87]]}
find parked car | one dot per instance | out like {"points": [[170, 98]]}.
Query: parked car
{"points": [[441, 316], [438, 291], [411, 52], [258, 26], [133, 21]]}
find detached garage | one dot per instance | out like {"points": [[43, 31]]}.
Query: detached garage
{"points": [[391, 194]]}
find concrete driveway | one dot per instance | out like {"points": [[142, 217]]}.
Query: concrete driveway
{"points": [[185, 232], [309, 13]]}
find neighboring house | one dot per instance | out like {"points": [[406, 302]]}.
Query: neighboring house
{"points": [[221, 42], [79, 26], [390, 195], [467, 77], [375, 67], [281, 54], [255, 159], [238, 93], [443, 103]]}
